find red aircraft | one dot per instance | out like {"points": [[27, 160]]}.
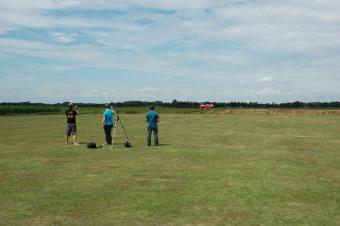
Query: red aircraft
{"points": [[207, 106]]}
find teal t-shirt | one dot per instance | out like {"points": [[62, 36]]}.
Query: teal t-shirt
{"points": [[152, 118], [110, 117]]}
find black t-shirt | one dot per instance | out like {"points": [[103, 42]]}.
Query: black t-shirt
{"points": [[71, 116]]}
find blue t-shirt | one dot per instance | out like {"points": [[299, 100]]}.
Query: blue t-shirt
{"points": [[151, 118], [109, 116]]}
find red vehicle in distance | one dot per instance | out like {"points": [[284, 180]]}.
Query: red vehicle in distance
{"points": [[207, 106]]}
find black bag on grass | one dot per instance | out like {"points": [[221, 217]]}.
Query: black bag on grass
{"points": [[92, 145]]}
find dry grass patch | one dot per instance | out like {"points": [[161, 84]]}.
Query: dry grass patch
{"points": [[281, 112]]}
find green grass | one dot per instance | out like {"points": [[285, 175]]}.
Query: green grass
{"points": [[211, 169]]}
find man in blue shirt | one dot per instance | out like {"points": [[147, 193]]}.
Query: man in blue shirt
{"points": [[109, 119], [152, 118]]}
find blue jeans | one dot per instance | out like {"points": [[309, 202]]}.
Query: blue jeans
{"points": [[155, 134]]}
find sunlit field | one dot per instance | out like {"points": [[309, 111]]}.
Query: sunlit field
{"points": [[210, 169]]}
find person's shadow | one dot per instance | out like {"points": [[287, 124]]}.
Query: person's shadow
{"points": [[163, 145]]}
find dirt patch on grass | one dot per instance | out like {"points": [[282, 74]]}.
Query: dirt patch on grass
{"points": [[2, 179], [142, 181], [234, 217], [330, 178], [79, 213], [98, 167], [229, 217], [192, 167], [52, 162], [48, 220], [39, 221]]}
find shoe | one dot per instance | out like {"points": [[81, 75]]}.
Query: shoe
{"points": [[76, 144]]}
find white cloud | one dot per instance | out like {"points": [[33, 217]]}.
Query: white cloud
{"points": [[266, 79], [63, 37], [97, 93], [52, 93], [297, 41], [147, 90], [20, 44], [21, 78], [267, 91]]}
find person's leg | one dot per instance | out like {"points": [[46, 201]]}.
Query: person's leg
{"points": [[106, 131], [75, 139], [108, 136], [68, 132], [155, 136], [148, 139], [74, 132]]}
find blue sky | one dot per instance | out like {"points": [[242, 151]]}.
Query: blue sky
{"points": [[190, 50]]}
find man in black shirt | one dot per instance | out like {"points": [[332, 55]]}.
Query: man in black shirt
{"points": [[71, 127]]}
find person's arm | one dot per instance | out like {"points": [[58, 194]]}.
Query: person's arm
{"points": [[75, 110], [103, 121], [157, 119]]}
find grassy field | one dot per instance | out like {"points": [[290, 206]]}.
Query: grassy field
{"points": [[211, 169]]}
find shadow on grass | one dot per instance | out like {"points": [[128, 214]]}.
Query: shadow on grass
{"points": [[160, 145]]}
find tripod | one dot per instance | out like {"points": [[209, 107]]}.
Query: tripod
{"points": [[127, 144]]}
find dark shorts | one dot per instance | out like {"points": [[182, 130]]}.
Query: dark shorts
{"points": [[71, 128]]}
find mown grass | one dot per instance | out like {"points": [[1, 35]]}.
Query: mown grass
{"points": [[211, 169]]}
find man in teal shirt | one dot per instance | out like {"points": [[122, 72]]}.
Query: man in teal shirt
{"points": [[109, 119], [152, 118]]}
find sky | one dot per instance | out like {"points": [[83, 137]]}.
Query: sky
{"points": [[98, 51]]}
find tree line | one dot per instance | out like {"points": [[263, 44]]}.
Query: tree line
{"points": [[178, 104], [28, 109]]}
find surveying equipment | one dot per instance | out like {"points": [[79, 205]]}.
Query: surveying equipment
{"points": [[127, 144], [114, 132]]}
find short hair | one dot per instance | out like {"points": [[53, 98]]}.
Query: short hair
{"points": [[107, 105], [152, 107]]}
